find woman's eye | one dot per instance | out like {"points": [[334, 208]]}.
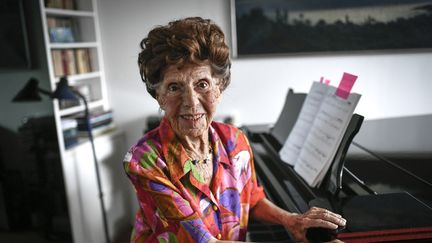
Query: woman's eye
{"points": [[173, 87], [203, 84]]}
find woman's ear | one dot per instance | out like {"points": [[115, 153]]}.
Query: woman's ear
{"points": [[161, 102], [221, 87]]}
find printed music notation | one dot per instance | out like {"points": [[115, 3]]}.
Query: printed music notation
{"points": [[318, 131]]}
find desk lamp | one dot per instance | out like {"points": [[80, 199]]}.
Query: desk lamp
{"points": [[31, 92]]}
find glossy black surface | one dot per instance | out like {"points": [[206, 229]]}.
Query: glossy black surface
{"points": [[387, 156], [394, 155], [317, 234]]}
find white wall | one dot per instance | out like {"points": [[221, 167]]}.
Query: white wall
{"points": [[391, 84]]}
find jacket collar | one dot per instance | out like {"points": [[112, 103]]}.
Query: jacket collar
{"points": [[175, 155]]}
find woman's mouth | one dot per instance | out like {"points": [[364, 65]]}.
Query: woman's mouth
{"points": [[192, 117]]}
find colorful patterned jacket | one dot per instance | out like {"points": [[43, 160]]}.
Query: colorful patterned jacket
{"points": [[175, 204]]}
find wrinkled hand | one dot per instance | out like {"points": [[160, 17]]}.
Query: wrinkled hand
{"points": [[297, 224]]}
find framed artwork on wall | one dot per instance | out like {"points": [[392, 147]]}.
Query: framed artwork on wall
{"points": [[268, 27], [14, 42]]}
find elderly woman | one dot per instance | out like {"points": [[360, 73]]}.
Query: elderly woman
{"points": [[195, 178]]}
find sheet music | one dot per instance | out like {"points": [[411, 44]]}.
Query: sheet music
{"points": [[295, 141], [325, 135]]}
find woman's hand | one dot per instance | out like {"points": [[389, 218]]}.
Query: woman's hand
{"points": [[297, 224]]}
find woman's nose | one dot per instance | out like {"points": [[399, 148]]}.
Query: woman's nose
{"points": [[190, 97]]}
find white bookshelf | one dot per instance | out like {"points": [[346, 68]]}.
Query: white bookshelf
{"points": [[77, 160], [86, 35]]}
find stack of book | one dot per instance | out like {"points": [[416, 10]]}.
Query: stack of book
{"points": [[100, 122], [63, 4], [70, 132], [71, 61]]}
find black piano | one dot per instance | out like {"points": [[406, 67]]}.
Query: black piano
{"points": [[380, 179]]}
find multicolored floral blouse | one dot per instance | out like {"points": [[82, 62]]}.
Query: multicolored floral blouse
{"points": [[175, 204]]}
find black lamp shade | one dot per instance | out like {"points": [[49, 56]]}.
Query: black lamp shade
{"points": [[29, 93], [63, 91]]}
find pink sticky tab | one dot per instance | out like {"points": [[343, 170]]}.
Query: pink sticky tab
{"points": [[327, 81], [346, 85]]}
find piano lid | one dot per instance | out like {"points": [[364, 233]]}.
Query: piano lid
{"points": [[409, 136], [288, 116], [394, 155]]}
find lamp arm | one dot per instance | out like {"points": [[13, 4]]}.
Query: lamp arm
{"points": [[96, 164], [45, 92], [86, 109]]}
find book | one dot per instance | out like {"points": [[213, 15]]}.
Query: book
{"points": [[64, 62], [83, 60], [61, 30], [69, 66], [70, 137], [62, 4], [53, 3], [69, 4], [96, 119], [57, 63], [98, 130], [69, 123], [100, 122], [70, 132], [83, 126], [318, 131]]}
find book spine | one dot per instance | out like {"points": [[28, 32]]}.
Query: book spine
{"points": [[95, 118], [83, 61], [57, 63], [64, 62], [83, 126], [69, 4], [70, 62]]}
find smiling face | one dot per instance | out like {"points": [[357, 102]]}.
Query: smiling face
{"points": [[189, 96]]}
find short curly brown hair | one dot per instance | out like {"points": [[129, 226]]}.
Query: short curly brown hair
{"points": [[188, 40]]}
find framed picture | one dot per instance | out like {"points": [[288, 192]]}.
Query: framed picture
{"points": [[307, 26], [14, 42]]}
